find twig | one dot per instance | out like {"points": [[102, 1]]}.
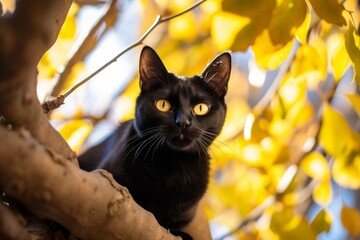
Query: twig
{"points": [[84, 47], [159, 19]]}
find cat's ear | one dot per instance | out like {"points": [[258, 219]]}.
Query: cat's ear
{"points": [[217, 73], [151, 68]]}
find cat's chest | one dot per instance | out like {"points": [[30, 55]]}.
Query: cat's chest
{"points": [[168, 171]]}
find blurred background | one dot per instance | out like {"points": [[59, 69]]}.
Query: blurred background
{"points": [[287, 163]]}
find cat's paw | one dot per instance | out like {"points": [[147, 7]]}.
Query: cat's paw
{"points": [[183, 235]]}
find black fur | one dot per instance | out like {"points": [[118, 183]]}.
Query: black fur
{"points": [[161, 157]]}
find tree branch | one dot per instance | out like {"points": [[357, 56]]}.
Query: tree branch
{"points": [[90, 205], [24, 38]]}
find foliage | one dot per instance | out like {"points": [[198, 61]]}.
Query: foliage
{"points": [[293, 140]]}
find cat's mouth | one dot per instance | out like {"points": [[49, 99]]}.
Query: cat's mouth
{"points": [[181, 142]]}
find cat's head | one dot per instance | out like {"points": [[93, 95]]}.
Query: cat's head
{"points": [[184, 113]]}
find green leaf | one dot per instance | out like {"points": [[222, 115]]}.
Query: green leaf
{"points": [[258, 13], [322, 222], [352, 43], [350, 219], [335, 131], [329, 10]]}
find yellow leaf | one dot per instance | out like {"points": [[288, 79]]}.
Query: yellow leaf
{"points": [[340, 60], [323, 193], [310, 64], [302, 32], [335, 131], [316, 166], [274, 44], [350, 219], [330, 10], [68, 30], [46, 67], [7, 5], [75, 132], [184, 28], [346, 171], [252, 155], [352, 43], [287, 17], [225, 26], [322, 222], [268, 55], [258, 12], [355, 102], [288, 225]]}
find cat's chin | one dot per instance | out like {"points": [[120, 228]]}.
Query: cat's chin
{"points": [[182, 143]]}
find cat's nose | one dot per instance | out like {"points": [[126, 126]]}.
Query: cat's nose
{"points": [[182, 121]]}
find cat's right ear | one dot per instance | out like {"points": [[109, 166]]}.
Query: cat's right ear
{"points": [[151, 69]]}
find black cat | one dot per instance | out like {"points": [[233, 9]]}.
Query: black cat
{"points": [[161, 156]]}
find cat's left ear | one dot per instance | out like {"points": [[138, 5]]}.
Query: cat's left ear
{"points": [[151, 69], [217, 73]]}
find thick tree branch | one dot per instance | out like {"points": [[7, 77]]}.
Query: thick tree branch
{"points": [[24, 38], [90, 205]]}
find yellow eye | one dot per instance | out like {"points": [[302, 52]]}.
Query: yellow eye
{"points": [[163, 105], [201, 109]]}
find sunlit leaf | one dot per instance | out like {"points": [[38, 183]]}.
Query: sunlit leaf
{"points": [[352, 43], [350, 219], [46, 67], [267, 55], [75, 132], [8, 5], [330, 11], [258, 14], [274, 44], [352, 7], [355, 102], [322, 222], [225, 27], [346, 171], [316, 166], [302, 32], [68, 29], [288, 225], [323, 193], [310, 63], [287, 17], [340, 60], [183, 28], [252, 155], [332, 138]]}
